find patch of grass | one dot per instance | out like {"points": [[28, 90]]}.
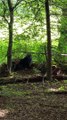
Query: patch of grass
{"points": [[19, 90], [9, 91]]}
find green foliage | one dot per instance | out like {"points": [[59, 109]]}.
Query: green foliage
{"points": [[3, 51], [21, 47], [34, 47], [62, 46], [37, 8], [32, 14]]}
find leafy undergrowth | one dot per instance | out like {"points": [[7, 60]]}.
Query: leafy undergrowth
{"points": [[33, 101]]}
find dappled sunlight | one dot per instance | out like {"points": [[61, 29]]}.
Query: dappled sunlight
{"points": [[53, 89], [3, 112], [57, 89]]}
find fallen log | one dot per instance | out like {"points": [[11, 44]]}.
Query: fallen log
{"points": [[60, 77], [25, 79]]}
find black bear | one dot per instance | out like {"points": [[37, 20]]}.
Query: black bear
{"points": [[23, 63]]}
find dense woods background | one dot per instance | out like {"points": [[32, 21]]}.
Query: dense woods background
{"points": [[33, 59], [23, 30]]}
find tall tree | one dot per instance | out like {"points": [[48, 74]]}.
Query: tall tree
{"points": [[9, 6], [62, 46], [48, 40], [10, 25], [63, 30]]}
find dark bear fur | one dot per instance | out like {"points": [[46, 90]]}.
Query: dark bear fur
{"points": [[23, 63]]}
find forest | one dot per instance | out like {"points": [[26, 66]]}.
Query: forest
{"points": [[33, 59]]}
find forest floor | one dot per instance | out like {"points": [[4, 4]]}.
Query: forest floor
{"points": [[33, 101]]}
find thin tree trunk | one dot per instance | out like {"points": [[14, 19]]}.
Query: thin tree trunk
{"points": [[49, 57], [9, 52], [63, 31]]}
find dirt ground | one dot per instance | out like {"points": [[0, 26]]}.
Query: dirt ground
{"points": [[35, 102]]}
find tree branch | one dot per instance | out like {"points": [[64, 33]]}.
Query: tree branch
{"points": [[5, 8], [10, 5], [17, 3]]}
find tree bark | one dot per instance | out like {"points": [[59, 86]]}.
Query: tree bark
{"points": [[10, 25], [49, 57], [9, 55]]}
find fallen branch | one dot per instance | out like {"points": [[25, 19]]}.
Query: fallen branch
{"points": [[61, 77], [25, 79]]}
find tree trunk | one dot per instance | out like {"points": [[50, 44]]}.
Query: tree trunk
{"points": [[63, 31], [48, 41], [62, 46], [10, 27]]}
